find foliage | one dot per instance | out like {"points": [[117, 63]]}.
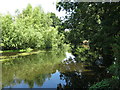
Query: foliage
{"points": [[29, 50], [98, 23], [114, 69], [55, 20], [32, 28], [101, 85], [111, 83], [84, 54], [106, 84]]}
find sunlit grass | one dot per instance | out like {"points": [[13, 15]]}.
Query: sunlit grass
{"points": [[11, 57]]}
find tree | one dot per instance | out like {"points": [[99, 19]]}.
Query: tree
{"points": [[32, 28], [96, 22], [55, 20]]}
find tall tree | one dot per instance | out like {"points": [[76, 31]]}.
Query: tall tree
{"points": [[96, 22], [32, 28]]}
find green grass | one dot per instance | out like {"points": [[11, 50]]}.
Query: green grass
{"points": [[9, 51], [19, 53], [21, 50]]}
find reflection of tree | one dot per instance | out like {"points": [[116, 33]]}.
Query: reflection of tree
{"points": [[84, 79], [74, 80], [40, 79], [33, 69], [29, 82]]}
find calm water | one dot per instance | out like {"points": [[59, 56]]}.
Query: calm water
{"points": [[48, 70]]}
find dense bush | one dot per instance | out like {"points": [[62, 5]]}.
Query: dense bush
{"points": [[32, 28], [85, 54]]}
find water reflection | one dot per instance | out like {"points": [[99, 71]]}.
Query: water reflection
{"points": [[47, 70], [33, 69]]}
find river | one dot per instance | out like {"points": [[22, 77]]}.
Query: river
{"points": [[48, 70]]}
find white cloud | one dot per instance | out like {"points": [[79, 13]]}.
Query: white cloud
{"points": [[11, 5]]}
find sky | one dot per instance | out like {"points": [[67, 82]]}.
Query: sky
{"points": [[12, 5]]}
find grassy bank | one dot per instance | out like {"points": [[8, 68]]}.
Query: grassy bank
{"points": [[12, 54]]}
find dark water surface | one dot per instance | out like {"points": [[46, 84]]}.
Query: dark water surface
{"points": [[48, 70]]}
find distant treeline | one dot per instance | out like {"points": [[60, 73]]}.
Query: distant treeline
{"points": [[31, 28]]}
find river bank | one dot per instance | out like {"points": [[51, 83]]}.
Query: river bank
{"points": [[12, 54]]}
